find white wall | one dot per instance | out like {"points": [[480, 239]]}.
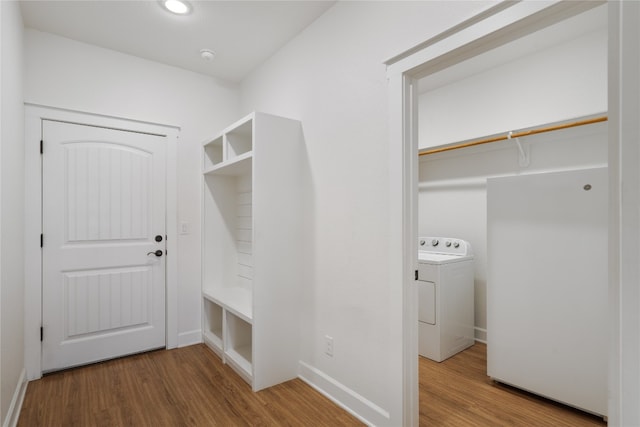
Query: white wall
{"points": [[11, 212], [332, 78], [64, 73], [566, 81]]}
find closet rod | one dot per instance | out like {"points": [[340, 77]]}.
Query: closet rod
{"points": [[516, 135]]}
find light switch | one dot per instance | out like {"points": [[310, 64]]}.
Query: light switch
{"points": [[184, 227]]}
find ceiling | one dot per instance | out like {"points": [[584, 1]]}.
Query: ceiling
{"points": [[243, 34], [592, 20]]}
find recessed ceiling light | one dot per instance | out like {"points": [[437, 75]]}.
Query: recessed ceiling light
{"points": [[179, 7]]}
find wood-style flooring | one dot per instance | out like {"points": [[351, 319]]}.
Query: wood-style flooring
{"points": [[457, 392], [191, 387], [183, 387]]}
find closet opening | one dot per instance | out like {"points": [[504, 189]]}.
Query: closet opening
{"points": [[514, 103], [526, 108], [511, 126]]}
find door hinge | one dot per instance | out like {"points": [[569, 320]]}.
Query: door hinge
{"points": [[416, 275], [41, 334], [41, 146], [41, 240]]}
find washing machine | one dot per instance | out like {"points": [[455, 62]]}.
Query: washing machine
{"points": [[445, 297]]}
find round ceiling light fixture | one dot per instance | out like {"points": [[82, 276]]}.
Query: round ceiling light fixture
{"points": [[179, 7]]}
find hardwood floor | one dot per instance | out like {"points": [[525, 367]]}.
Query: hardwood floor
{"points": [[457, 392], [191, 387], [183, 387]]}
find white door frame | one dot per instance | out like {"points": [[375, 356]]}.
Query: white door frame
{"points": [[624, 217], [34, 114], [495, 26]]}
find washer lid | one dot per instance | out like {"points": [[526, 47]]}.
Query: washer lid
{"points": [[435, 258]]}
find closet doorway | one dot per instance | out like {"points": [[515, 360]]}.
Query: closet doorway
{"points": [[526, 108], [467, 42]]}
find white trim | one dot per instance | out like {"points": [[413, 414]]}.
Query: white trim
{"points": [[624, 218], [480, 335], [34, 114], [496, 26], [13, 414], [88, 118], [403, 209], [171, 296], [352, 402], [614, 410], [190, 338], [500, 25]]}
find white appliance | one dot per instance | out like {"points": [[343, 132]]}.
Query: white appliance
{"points": [[547, 287], [445, 297]]}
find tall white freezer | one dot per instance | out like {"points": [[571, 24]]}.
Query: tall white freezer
{"points": [[547, 285]]}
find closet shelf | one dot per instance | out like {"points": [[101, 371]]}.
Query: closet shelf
{"points": [[236, 300], [237, 166]]}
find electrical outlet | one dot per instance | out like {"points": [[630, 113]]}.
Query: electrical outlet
{"points": [[328, 345]]}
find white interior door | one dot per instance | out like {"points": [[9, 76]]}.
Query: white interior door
{"points": [[103, 214]]}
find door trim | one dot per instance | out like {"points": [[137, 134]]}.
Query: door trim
{"points": [[34, 114]]}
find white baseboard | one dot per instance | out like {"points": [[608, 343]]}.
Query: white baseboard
{"points": [[189, 338], [358, 406], [11, 420], [481, 335]]}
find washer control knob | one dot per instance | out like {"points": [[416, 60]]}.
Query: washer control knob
{"points": [[434, 242], [456, 244], [422, 242], [447, 243]]}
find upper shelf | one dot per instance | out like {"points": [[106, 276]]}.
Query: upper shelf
{"points": [[226, 153], [237, 166]]}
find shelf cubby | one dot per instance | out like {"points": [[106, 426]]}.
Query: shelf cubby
{"points": [[240, 139], [238, 347], [214, 152], [213, 325]]}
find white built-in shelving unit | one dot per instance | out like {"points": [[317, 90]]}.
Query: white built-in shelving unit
{"points": [[251, 247]]}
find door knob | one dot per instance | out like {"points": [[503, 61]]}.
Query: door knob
{"points": [[156, 253], [158, 238]]}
